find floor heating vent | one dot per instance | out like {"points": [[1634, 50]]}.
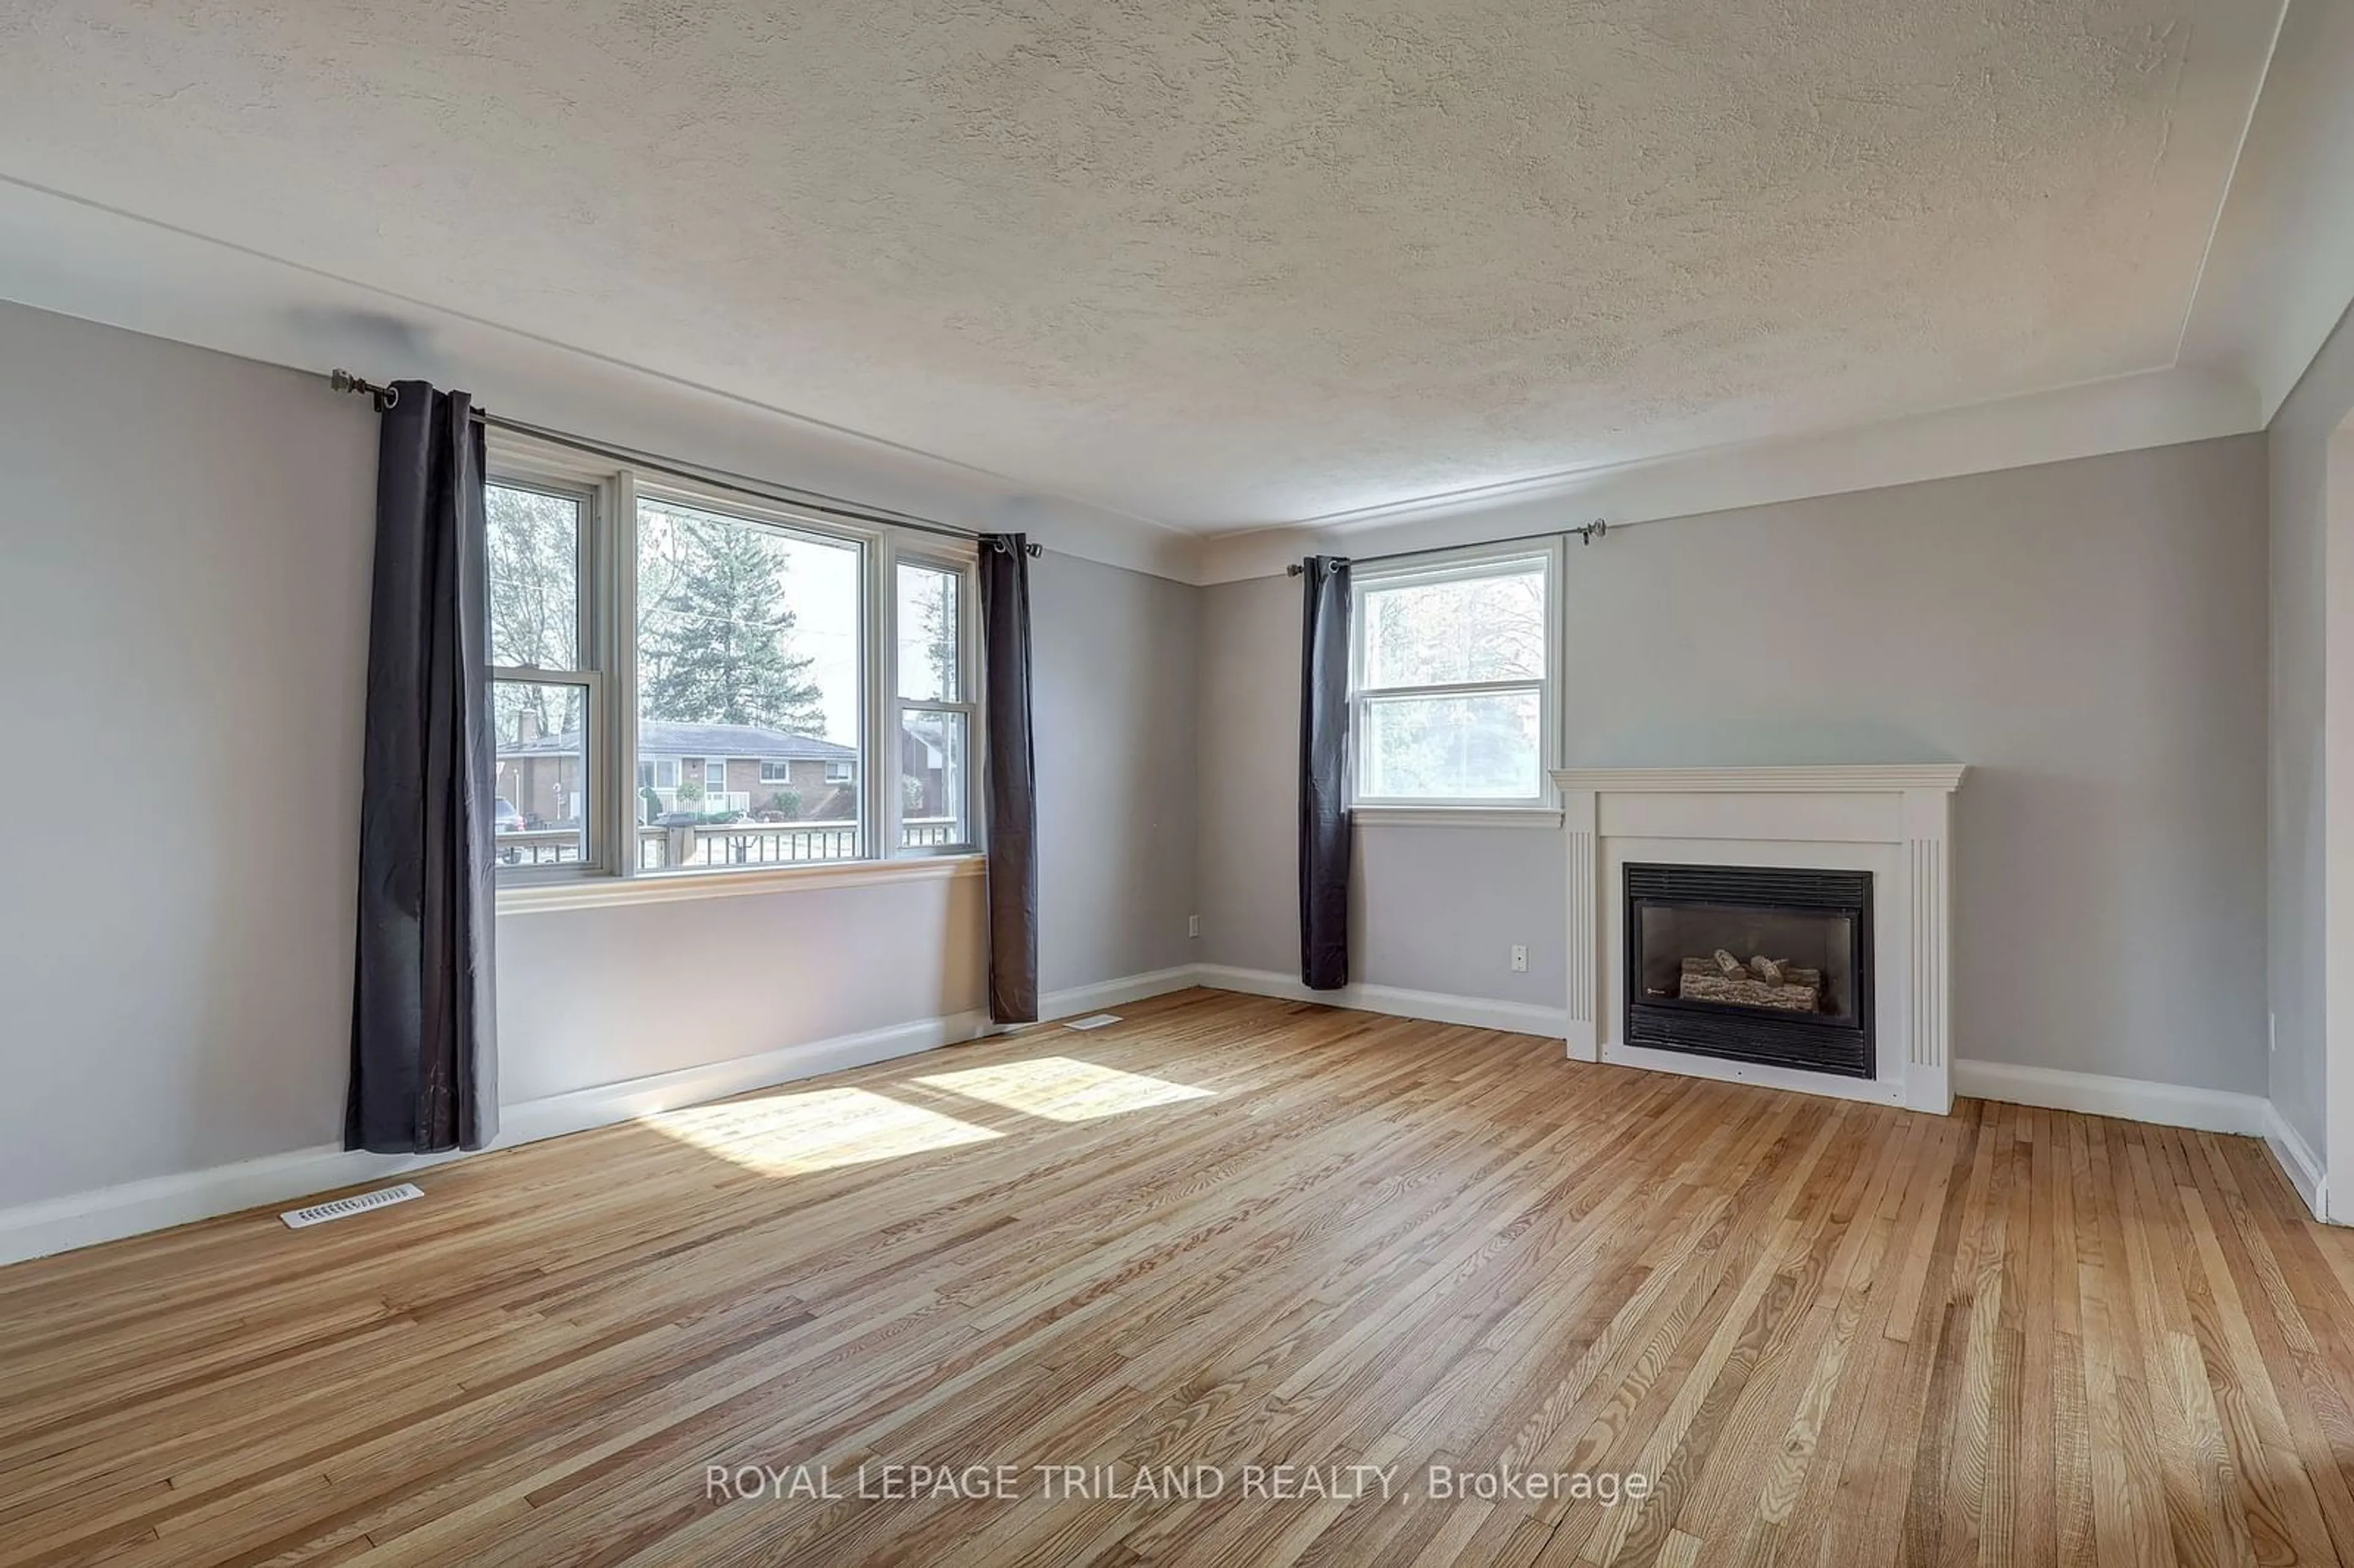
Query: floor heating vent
{"points": [[1094, 1021], [336, 1208]]}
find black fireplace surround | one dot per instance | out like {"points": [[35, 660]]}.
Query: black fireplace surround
{"points": [[1817, 922]]}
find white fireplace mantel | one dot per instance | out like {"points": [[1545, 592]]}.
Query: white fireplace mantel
{"points": [[1893, 821]]}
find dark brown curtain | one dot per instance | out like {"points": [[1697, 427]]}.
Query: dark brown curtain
{"points": [[1324, 825], [424, 1057], [1010, 777]]}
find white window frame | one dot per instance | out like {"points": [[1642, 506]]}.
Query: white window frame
{"points": [[784, 771], [1539, 809], [609, 873], [596, 841], [965, 567]]}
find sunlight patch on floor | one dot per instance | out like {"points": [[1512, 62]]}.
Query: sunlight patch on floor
{"points": [[789, 1135], [1062, 1088]]}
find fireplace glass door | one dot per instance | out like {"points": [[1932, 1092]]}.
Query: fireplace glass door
{"points": [[1796, 961], [1752, 963]]}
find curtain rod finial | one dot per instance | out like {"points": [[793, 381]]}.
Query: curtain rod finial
{"points": [[343, 380]]}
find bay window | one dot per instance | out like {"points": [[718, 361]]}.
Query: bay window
{"points": [[688, 682]]}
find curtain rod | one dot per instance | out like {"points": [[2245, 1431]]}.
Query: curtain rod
{"points": [[387, 397], [1587, 534]]}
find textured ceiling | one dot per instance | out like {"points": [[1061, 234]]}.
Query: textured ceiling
{"points": [[1217, 264]]}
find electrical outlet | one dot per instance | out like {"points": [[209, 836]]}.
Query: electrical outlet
{"points": [[1192, 925], [1520, 958]]}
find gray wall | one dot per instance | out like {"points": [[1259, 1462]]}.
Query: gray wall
{"points": [[2299, 447], [1249, 771], [597, 996], [184, 570], [1118, 655], [2090, 636]]}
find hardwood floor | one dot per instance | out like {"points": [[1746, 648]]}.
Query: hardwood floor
{"points": [[1227, 1233]]}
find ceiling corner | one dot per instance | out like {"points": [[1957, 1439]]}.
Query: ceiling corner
{"points": [[2280, 268]]}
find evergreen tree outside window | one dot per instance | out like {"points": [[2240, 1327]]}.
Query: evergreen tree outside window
{"points": [[717, 630], [749, 644]]}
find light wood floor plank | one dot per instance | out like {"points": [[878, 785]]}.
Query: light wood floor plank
{"points": [[1227, 1232]]}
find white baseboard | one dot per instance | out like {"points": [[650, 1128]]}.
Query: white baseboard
{"points": [[108, 1213], [2297, 1163], [2166, 1105], [1438, 1006], [1119, 992], [2128, 1100], [84, 1219]]}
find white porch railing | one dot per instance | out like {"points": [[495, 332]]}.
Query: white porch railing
{"points": [[746, 843], [724, 844], [775, 843], [539, 846]]}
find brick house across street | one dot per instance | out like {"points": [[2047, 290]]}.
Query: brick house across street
{"points": [[700, 767]]}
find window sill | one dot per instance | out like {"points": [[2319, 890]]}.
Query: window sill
{"points": [[597, 892], [1457, 816]]}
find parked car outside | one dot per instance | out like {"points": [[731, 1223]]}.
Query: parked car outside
{"points": [[505, 818]]}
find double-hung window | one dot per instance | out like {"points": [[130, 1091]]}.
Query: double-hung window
{"points": [[932, 715], [689, 680], [546, 692], [1451, 687]]}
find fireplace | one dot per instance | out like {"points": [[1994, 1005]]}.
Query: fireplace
{"points": [[1869, 839], [1751, 963]]}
